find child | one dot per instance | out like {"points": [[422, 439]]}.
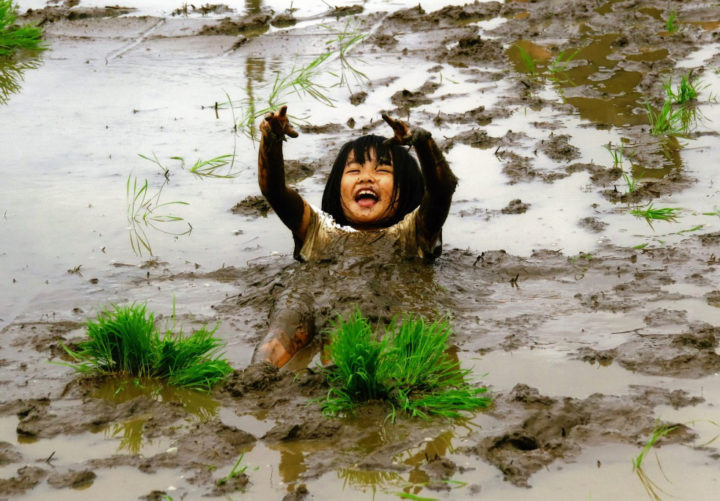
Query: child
{"points": [[376, 201]]}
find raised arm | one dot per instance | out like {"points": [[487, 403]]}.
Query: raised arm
{"points": [[293, 211], [440, 182]]}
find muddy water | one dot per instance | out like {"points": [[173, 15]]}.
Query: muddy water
{"points": [[588, 346]]}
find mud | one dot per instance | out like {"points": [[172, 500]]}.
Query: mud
{"points": [[650, 312], [544, 429], [255, 24]]}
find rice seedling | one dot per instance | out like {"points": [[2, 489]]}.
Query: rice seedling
{"points": [[686, 91], [715, 212], [671, 22], [144, 210], [562, 61], [408, 367], [126, 341], [344, 41], [236, 471], [211, 167], [616, 152], [414, 497], [668, 120], [651, 487], [14, 37], [528, 61], [651, 213], [618, 156], [630, 182], [690, 230], [302, 81]]}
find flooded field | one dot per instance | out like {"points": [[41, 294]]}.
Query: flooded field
{"points": [[591, 321]]}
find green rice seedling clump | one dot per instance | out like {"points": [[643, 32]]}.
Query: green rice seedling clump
{"points": [[687, 90], [408, 367], [126, 341], [14, 37], [668, 120], [528, 61], [671, 22], [664, 213]]}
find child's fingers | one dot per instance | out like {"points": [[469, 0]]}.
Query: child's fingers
{"points": [[401, 129], [395, 124], [278, 123]]}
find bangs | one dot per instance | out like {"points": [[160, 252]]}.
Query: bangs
{"points": [[362, 147]]}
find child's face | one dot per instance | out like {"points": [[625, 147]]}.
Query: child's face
{"points": [[366, 191]]}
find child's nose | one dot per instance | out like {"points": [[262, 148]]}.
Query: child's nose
{"points": [[367, 175]]}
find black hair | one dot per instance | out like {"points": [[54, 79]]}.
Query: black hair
{"points": [[408, 184]]}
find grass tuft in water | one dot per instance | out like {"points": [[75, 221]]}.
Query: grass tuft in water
{"points": [[618, 156], [562, 61], [669, 120], [686, 91], [302, 81], [237, 470], [145, 210], [14, 37], [715, 212], [409, 368], [528, 61], [651, 213], [617, 153], [658, 433], [125, 341], [671, 22]]}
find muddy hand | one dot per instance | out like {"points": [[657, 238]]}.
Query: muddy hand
{"points": [[401, 130], [276, 126], [403, 133]]}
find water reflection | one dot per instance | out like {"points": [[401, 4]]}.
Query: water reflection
{"points": [[411, 481], [118, 390], [131, 433], [11, 74], [613, 98]]}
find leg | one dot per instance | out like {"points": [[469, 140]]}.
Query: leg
{"points": [[292, 327]]}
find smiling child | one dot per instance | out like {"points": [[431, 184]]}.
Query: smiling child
{"points": [[376, 202]]}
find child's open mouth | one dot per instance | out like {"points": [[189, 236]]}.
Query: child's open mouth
{"points": [[366, 198]]}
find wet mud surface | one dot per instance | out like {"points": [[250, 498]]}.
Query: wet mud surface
{"points": [[664, 301]]}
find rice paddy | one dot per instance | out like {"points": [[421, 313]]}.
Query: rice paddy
{"points": [[572, 328]]}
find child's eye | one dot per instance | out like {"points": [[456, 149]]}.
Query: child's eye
{"points": [[385, 168]]}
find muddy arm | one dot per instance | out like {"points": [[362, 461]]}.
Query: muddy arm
{"points": [[293, 211], [440, 182]]}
